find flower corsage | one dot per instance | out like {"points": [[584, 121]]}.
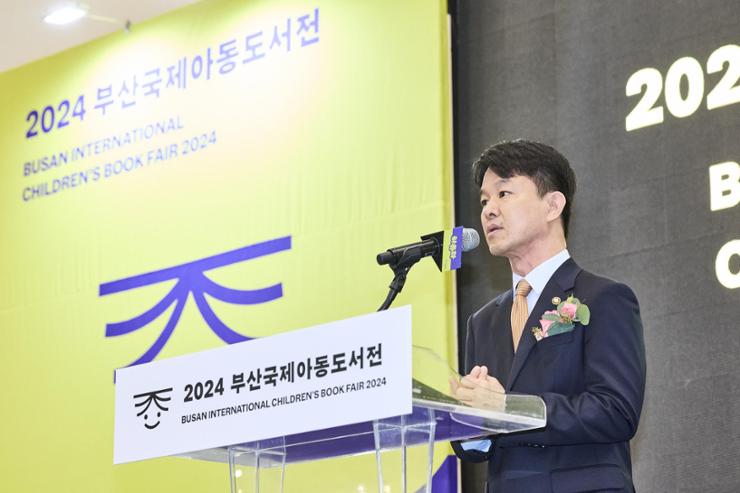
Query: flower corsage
{"points": [[563, 319]]}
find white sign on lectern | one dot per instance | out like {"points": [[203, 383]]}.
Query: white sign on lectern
{"points": [[325, 376]]}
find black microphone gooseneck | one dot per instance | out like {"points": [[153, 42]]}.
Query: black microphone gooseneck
{"points": [[401, 261]]}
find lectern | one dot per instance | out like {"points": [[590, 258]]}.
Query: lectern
{"points": [[356, 386]]}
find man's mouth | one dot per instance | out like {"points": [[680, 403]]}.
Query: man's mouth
{"points": [[492, 228]]}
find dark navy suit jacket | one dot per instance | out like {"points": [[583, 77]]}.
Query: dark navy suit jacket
{"points": [[592, 380]]}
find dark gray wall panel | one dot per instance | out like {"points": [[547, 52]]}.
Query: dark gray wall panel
{"points": [[556, 72]]}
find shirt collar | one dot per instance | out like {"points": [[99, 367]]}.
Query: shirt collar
{"points": [[540, 275]]}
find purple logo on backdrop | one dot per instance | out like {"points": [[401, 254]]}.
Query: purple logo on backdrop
{"points": [[191, 279], [145, 401]]}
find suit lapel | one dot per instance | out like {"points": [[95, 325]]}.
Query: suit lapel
{"points": [[501, 326], [560, 284]]}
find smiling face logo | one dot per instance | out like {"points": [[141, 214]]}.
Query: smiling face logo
{"points": [[152, 414]]}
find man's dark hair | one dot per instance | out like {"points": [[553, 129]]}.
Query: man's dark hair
{"points": [[545, 166]]}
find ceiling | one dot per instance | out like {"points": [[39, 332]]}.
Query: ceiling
{"points": [[25, 37]]}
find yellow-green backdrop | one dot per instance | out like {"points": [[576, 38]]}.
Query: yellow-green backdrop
{"points": [[341, 142]]}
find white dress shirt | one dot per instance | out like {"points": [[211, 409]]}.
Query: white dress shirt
{"points": [[539, 277]]}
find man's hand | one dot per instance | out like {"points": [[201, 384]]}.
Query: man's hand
{"points": [[478, 389]]}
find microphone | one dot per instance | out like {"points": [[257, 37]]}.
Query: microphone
{"points": [[445, 247], [433, 244]]}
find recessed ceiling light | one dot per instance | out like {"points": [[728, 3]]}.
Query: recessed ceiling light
{"points": [[65, 15]]}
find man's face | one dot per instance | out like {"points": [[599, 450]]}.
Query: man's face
{"points": [[513, 215]]}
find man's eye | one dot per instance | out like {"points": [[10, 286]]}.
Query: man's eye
{"points": [[503, 193], [483, 203]]}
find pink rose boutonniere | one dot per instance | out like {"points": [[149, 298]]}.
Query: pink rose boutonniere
{"points": [[563, 319]]}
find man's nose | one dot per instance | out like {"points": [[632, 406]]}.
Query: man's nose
{"points": [[490, 209]]}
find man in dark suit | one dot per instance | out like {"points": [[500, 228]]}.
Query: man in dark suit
{"points": [[590, 376]]}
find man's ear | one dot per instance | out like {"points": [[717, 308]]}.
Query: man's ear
{"points": [[555, 204]]}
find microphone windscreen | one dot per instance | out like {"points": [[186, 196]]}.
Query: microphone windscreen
{"points": [[470, 239]]}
